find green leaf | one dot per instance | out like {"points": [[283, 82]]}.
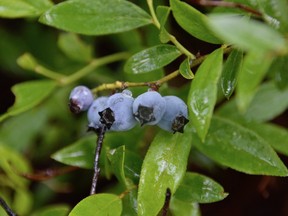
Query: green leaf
{"points": [[254, 68], [164, 167], [275, 135], [279, 70], [199, 188], [151, 59], [23, 8], [74, 47], [79, 154], [28, 95], [248, 34], [53, 210], [99, 204], [203, 92], [180, 208], [96, 17], [162, 14], [239, 148], [23, 201], [12, 163], [260, 109], [185, 69], [229, 74], [275, 12], [193, 21]]}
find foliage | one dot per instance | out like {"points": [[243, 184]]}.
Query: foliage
{"points": [[240, 86]]}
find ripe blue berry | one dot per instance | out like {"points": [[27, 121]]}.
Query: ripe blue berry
{"points": [[175, 116], [80, 99], [118, 115], [149, 107], [97, 106]]}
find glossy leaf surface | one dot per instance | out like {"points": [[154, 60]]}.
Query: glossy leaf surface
{"points": [[151, 59], [99, 17], [185, 69], [164, 167], [193, 21], [28, 95], [247, 34], [80, 153], [199, 188], [230, 71], [98, 204], [239, 148], [203, 92], [253, 71]]}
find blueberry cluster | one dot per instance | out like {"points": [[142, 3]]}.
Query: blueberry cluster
{"points": [[120, 111]]}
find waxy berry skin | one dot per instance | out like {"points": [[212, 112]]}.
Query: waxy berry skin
{"points": [[80, 99], [149, 107], [97, 106], [118, 114], [175, 116]]}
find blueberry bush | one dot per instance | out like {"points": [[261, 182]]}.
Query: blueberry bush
{"points": [[177, 107]]}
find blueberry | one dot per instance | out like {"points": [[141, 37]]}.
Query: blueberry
{"points": [[149, 107], [118, 115], [175, 116], [97, 106], [80, 99]]}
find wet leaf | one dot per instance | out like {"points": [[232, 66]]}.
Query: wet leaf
{"points": [[193, 21], [239, 148], [185, 69], [203, 92], [151, 59], [74, 47], [98, 204], [99, 17], [164, 167], [230, 71], [248, 34], [79, 154], [28, 95], [199, 188], [253, 71]]}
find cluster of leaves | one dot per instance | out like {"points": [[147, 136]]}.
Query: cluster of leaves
{"points": [[237, 135]]}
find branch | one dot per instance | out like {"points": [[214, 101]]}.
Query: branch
{"points": [[4, 205]]}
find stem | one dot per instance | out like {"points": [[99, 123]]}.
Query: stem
{"points": [[48, 73], [92, 66], [96, 174], [153, 14], [167, 202], [4, 205], [171, 37], [123, 85]]}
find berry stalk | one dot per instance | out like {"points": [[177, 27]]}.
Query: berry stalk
{"points": [[96, 173]]}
